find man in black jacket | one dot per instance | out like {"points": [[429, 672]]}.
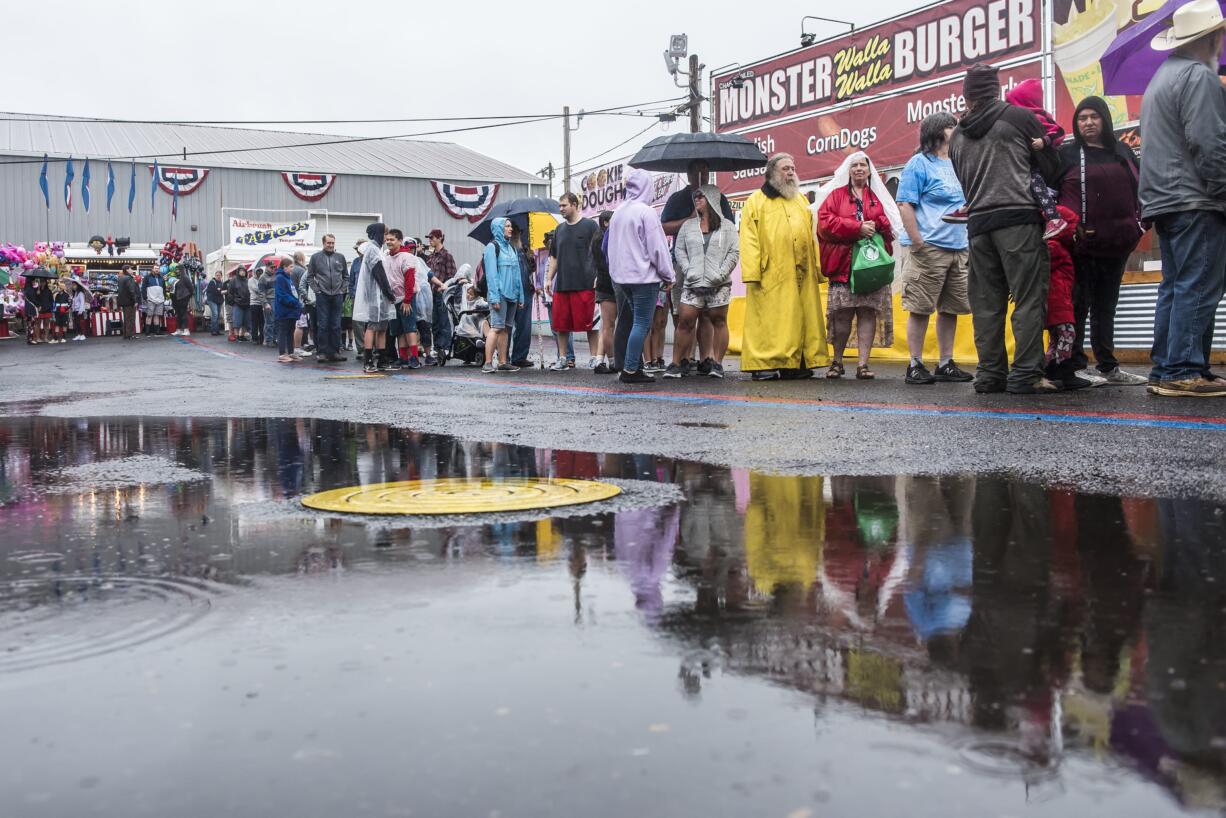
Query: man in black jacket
{"points": [[992, 156], [127, 295]]}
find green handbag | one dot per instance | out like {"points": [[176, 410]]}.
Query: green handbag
{"points": [[871, 266]]}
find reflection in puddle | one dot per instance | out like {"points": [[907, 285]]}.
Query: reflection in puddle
{"points": [[1072, 644]]}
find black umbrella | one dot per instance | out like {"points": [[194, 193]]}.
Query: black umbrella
{"points": [[721, 152], [517, 211], [40, 272]]}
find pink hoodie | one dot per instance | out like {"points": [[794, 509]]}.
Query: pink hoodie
{"points": [[1028, 94]]}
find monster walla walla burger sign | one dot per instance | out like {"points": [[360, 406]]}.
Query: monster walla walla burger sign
{"points": [[869, 90]]}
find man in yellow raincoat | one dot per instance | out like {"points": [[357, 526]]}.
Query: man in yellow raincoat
{"points": [[785, 334]]}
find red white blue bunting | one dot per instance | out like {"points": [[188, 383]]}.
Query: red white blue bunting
{"points": [[310, 187], [470, 202]]}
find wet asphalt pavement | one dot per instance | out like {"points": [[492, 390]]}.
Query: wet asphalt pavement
{"points": [[812, 599]]}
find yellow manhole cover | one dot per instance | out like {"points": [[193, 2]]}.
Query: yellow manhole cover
{"points": [[461, 495]]}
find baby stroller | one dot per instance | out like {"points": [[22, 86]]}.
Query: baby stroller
{"points": [[467, 339]]}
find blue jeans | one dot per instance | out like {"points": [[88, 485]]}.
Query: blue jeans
{"points": [[442, 325], [643, 304], [240, 319], [521, 340], [328, 323], [214, 317], [1193, 279]]}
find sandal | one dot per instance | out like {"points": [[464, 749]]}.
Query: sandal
{"points": [[835, 371], [863, 373]]}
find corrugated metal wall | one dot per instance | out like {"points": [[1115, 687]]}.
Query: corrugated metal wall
{"points": [[409, 204], [1134, 319]]}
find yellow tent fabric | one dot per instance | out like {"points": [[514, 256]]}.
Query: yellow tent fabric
{"points": [[785, 530], [964, 343]]}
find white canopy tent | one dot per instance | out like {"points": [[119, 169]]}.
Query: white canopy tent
{"points": [[234, 255]]}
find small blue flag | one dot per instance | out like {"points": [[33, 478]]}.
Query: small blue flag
{"points": [[68, 177], [132, 187], [85, 186], [153, 188], [42, 183], [110, 185]]}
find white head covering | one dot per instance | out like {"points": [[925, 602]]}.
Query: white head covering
{"points": [[842, 178]]}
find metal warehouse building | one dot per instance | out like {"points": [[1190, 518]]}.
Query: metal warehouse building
{"points": [[274, 176]]}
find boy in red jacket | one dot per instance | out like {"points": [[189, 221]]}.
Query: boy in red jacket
{"points": [[1060, 321]]}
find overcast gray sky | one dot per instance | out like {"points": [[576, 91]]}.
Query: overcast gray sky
{"points": [[327, 60]]}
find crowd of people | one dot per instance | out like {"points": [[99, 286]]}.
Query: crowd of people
{"points": [[999, 214]]}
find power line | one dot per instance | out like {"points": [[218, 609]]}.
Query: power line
{"points": [[610, 150], [339, 141], [618, 110]]}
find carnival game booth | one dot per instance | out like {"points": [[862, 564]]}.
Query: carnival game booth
{"points": [[99, 260]]}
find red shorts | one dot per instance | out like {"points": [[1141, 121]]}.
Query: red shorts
{"points": [[573, 312]]}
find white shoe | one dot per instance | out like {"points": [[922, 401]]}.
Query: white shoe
{"points": [[1118, 377], [301, 353], [1095, 377], [186, 333], [592, 362]]}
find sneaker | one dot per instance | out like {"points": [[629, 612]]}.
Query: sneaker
{"points": [[673, 371], [370, 367], [1118, 377], [636, 377], [522, 363], [602, 369], [1190, 388], [488, 368], [592, 361], [430, 360], [395, 364], [1073, 382], [187, 333], [301, 352], [686, 368], [654, 367], [766, 375], [570, 363], [559, 365], [989, 387], [1040, 387], [1054, 228], [919, 374], [414, 363], [704, 366], [504, 368], [716, 370], [950, 373], [959, 216], [1095, 377]]}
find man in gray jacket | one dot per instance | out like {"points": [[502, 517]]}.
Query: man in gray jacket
{"points": [[1183, 192], [327, 276], [992, 156]]}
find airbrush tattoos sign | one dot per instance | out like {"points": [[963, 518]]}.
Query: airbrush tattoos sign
{"points": [[868, 90]]}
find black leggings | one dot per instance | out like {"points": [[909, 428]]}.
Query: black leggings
{"points": [[181, 314], [257, 324], [285, 335]]}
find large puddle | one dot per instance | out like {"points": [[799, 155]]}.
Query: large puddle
{"points": [[177, 637]]}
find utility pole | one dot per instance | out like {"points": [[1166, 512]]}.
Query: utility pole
{"points": [[566, 149], [695, 95]]}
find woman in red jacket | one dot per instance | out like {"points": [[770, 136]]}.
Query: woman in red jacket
{"points": [[855, 205]]}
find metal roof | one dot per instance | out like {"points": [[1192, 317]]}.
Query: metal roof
{"points": [[36, 134]]}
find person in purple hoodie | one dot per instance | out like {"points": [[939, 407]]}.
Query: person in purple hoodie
{"points": [[639, 262]]}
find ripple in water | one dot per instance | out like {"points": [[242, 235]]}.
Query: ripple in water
{"points": [[54, 620]]}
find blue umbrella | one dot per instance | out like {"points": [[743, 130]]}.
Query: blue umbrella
{"points": [[1130, 62], [517, 211], [721, 152]]}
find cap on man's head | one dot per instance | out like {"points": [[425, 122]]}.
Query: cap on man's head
{"points": [[436, 234], [982, 82]]}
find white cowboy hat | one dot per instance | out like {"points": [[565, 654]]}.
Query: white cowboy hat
{"points": [[1191, 22]]}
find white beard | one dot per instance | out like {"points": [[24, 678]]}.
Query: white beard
{"points": [[788, 190]]}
